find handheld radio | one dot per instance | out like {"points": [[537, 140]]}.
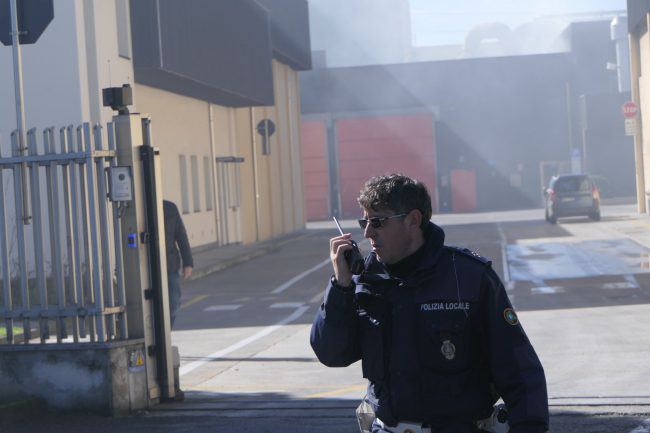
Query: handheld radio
{"points": [[353, 257]]}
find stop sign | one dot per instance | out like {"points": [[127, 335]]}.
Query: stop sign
{"points": [[33, 18], [629, 110]]}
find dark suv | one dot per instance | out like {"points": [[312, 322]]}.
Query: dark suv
{"points": [[572, 195]]}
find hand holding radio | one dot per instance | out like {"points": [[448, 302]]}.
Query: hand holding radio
{"points": [[351, 261]]}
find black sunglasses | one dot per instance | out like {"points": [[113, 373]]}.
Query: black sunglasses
{"points": [[377, 222]]}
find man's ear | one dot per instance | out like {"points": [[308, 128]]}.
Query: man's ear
{"points": [[414, 218]]}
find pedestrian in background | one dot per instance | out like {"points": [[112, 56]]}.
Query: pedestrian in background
{"points": [[437, 336], [179, 255]]}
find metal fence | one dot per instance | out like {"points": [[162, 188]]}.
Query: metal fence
{"points": [[62, 265]]}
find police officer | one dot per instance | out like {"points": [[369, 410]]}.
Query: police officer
{"points": [[437, 336]]}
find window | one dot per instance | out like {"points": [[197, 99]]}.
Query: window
{"points": [[207, 175], [196, 193], [185, 197], [123, 20], [573, 184]]}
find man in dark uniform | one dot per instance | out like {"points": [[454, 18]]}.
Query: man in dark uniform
{"points": [[437, 336], [175, 240]]}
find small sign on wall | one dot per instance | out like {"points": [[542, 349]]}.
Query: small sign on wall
{"points": [[136, 360], [630, 113], [631, 126]]}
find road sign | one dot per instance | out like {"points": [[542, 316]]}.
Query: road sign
{"points": [[629, 110], [266, 128], [33, 18], [631, 126]]}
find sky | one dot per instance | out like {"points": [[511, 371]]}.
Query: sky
{"points": [[438, 22]]}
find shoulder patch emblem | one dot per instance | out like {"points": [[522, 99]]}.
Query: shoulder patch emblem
{"points": [[510, 316]]}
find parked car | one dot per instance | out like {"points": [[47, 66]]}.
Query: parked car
{"points": [[572, 195]]}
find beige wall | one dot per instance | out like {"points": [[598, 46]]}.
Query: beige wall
{"points": [[271, 185], [180, 126]]}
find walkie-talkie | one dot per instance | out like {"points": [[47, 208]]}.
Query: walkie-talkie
{"points": [[353, 257]]}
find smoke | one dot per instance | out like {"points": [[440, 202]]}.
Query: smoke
{"points": [[365, 32], [485, 28]]}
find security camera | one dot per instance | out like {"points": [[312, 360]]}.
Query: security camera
{"points": [[118, 98]]}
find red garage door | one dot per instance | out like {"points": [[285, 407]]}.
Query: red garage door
{"points": [[313, 138], [372, 146]]}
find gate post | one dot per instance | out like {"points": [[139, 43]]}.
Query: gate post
{"points": [[144, 300]]}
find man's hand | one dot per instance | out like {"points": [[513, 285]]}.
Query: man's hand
{"points": [[186, 272], [338, 246]]}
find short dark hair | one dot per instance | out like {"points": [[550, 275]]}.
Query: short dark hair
{"points": [[398, 193]]}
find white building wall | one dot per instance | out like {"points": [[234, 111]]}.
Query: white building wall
{"points": [[63, 74], [65, 70]]}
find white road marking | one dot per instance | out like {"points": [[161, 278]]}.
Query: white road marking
{"points": [[242, 343], [546, 290], [504, 254], [299, 277], [509, 284], [643, 428], [541, 288], [287, 305], [619, 285], [631, 279], [230, 307], [318, 297]]}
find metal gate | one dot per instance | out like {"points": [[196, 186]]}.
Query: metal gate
{"points": [[81, 230], [62, 265]]}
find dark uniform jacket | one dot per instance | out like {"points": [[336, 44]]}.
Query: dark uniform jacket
{"points": [[175, 234], [437, 344]]}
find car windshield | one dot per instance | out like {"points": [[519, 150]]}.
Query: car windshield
{"points": [[572, 184]]}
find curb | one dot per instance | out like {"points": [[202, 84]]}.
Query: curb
{"points": [[21, 409]]}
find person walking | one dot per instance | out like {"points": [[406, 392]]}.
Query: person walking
{"points": [[437, 336], [179, 256]]}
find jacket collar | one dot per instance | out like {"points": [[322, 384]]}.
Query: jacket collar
{"points": [[376, 274]]}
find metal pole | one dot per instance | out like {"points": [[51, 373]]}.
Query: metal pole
{"points": [[635, 66], [107, 274], [117, 241], [95, 258], [20, 109], [37, 230], [72, 246], [77, 198], [567, 92], [89, 296], [20, 240], [54, 203], [4, 257]]}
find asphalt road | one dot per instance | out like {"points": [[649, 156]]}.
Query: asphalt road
{"points": [[582, 290]]}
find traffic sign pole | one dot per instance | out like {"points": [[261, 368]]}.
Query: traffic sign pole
{"points": [[20, 109]]}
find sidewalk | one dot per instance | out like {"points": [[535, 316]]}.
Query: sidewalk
{"points": [[213, 258]]}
